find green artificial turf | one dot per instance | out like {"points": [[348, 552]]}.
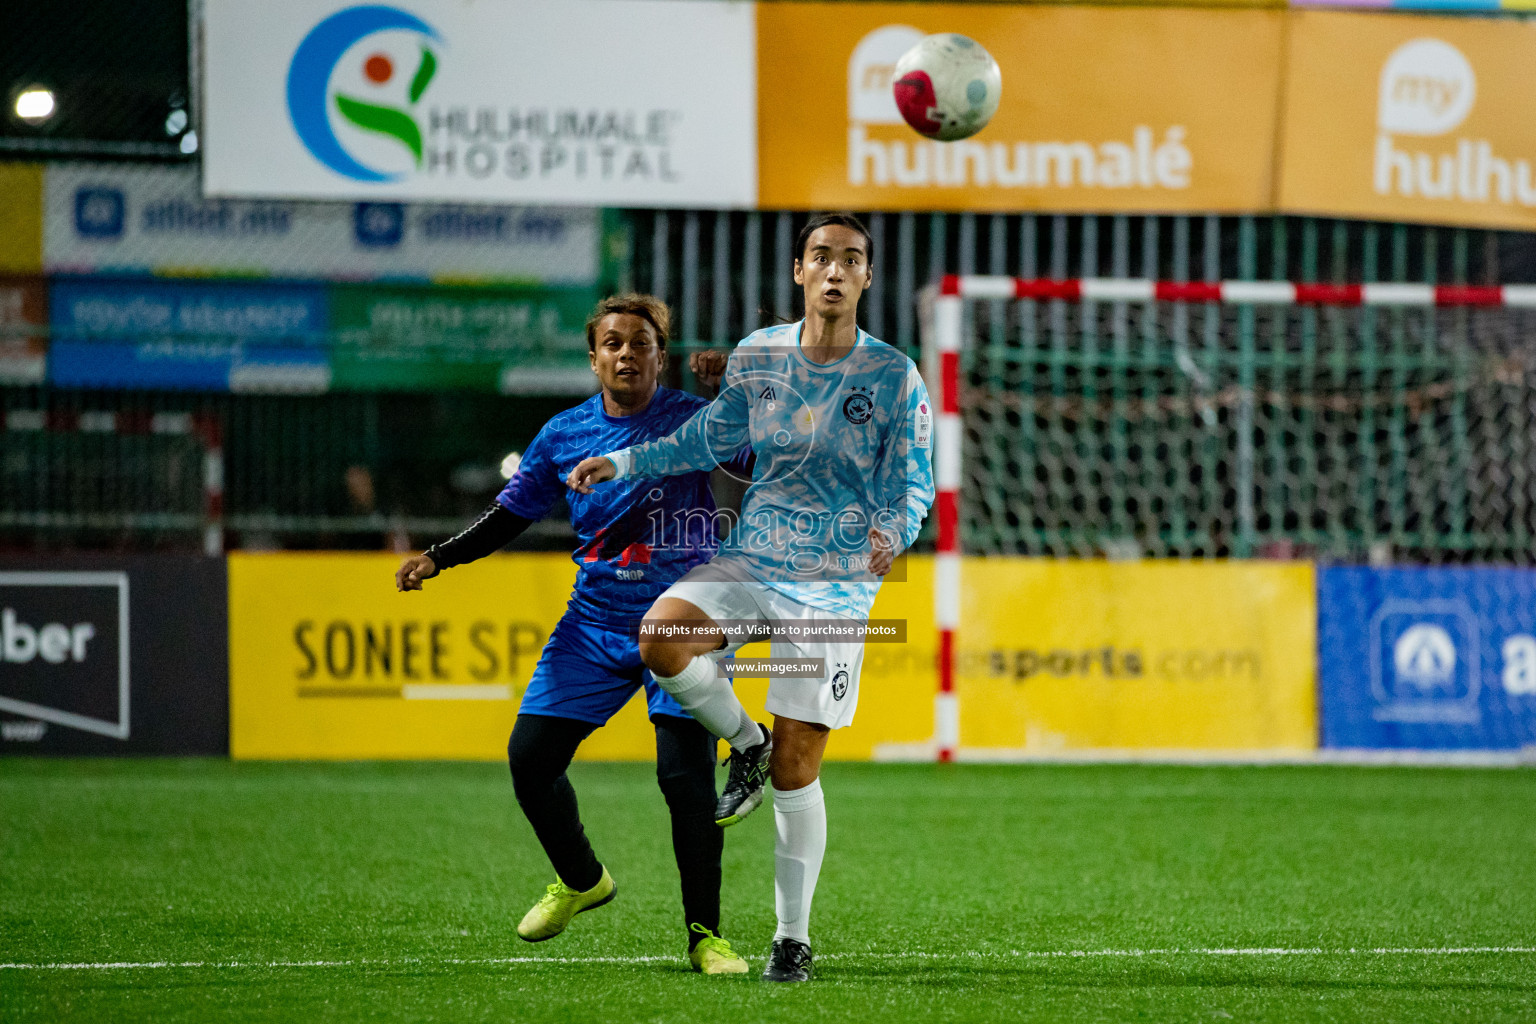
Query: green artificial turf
{"points": [[941, 886]]}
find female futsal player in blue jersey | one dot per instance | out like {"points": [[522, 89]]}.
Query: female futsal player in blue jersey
{"points": [[841, 426], [591, 665]]}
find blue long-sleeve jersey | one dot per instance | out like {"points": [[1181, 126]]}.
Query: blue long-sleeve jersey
{"points": [[841, 448], [637, 538]]}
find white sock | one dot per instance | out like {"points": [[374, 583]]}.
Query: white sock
{"points": [[712, 702], [800, 818]]}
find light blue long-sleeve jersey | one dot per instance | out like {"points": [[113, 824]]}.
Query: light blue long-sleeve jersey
{"points": [[840, 448]]}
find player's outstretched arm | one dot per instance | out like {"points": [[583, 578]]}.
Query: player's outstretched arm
{"points": [[495, 529]]}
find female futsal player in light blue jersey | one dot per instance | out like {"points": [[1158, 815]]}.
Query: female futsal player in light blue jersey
{"points": [[841, 427]]}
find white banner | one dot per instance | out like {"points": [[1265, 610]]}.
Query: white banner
{"points": [[118, 217], [595, 102]]}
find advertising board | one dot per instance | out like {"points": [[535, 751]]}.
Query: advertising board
{"points": [[1415, 118], [1427, 658], [113, 655], [1103, 109], [328, 661], [1060, 656], [122, 218], [482, 102], [411, 338], [194, 335]]}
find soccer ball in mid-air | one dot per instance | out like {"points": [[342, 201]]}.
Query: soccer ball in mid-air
{"points": [[947, 87]]}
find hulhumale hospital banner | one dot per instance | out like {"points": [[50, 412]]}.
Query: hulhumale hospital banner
{"points": [[611, 102]]}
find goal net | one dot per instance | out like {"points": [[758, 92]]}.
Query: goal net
{"points": [[1136, 419], [1133, 419]]}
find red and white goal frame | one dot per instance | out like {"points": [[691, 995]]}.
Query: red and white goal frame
{"points": [[942, 338]]}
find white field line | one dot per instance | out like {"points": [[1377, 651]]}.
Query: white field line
{"points": [[1010, 954]]}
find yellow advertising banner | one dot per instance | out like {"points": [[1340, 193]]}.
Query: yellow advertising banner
{"points": [[328, 661], [1064, 656], [1103, 109], [21, 218], [1402, 117]]}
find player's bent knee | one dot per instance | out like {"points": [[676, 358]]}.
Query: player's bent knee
{"points": [[673, 633], [664, 658]]}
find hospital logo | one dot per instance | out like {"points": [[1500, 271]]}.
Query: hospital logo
{"points": [[372, 89]]}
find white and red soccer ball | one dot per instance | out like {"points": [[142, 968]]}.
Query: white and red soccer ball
{"points": [[947, 87]]}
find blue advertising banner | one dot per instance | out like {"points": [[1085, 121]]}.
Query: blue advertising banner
{"points": [[1438, 658], [124, 219], [194, 335]]}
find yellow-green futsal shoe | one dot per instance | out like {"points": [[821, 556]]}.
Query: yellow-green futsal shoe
{"points": [[713, 955], [559, 904]]}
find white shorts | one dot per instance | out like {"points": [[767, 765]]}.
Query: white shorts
{"points": [[829, 700]]}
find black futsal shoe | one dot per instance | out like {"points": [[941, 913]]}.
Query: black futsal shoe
{"points": [[788, 960], [744, 785]]}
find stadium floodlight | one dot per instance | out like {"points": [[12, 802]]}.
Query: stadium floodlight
{"points": [[35, 104], [967, 426]]}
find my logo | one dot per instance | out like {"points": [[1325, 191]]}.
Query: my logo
{"points": [[871, 71], [839, 685], [310, 94], [1427, 88]]}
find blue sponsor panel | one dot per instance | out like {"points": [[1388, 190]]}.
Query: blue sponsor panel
{"points": [[193, 335], [1428, 659]]}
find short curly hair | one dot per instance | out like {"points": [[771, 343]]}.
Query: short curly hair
{"points": [[647, 307]]}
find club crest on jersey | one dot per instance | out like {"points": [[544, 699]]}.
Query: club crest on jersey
{"points": [[859, 406], [768, 395], [840, 685]]}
